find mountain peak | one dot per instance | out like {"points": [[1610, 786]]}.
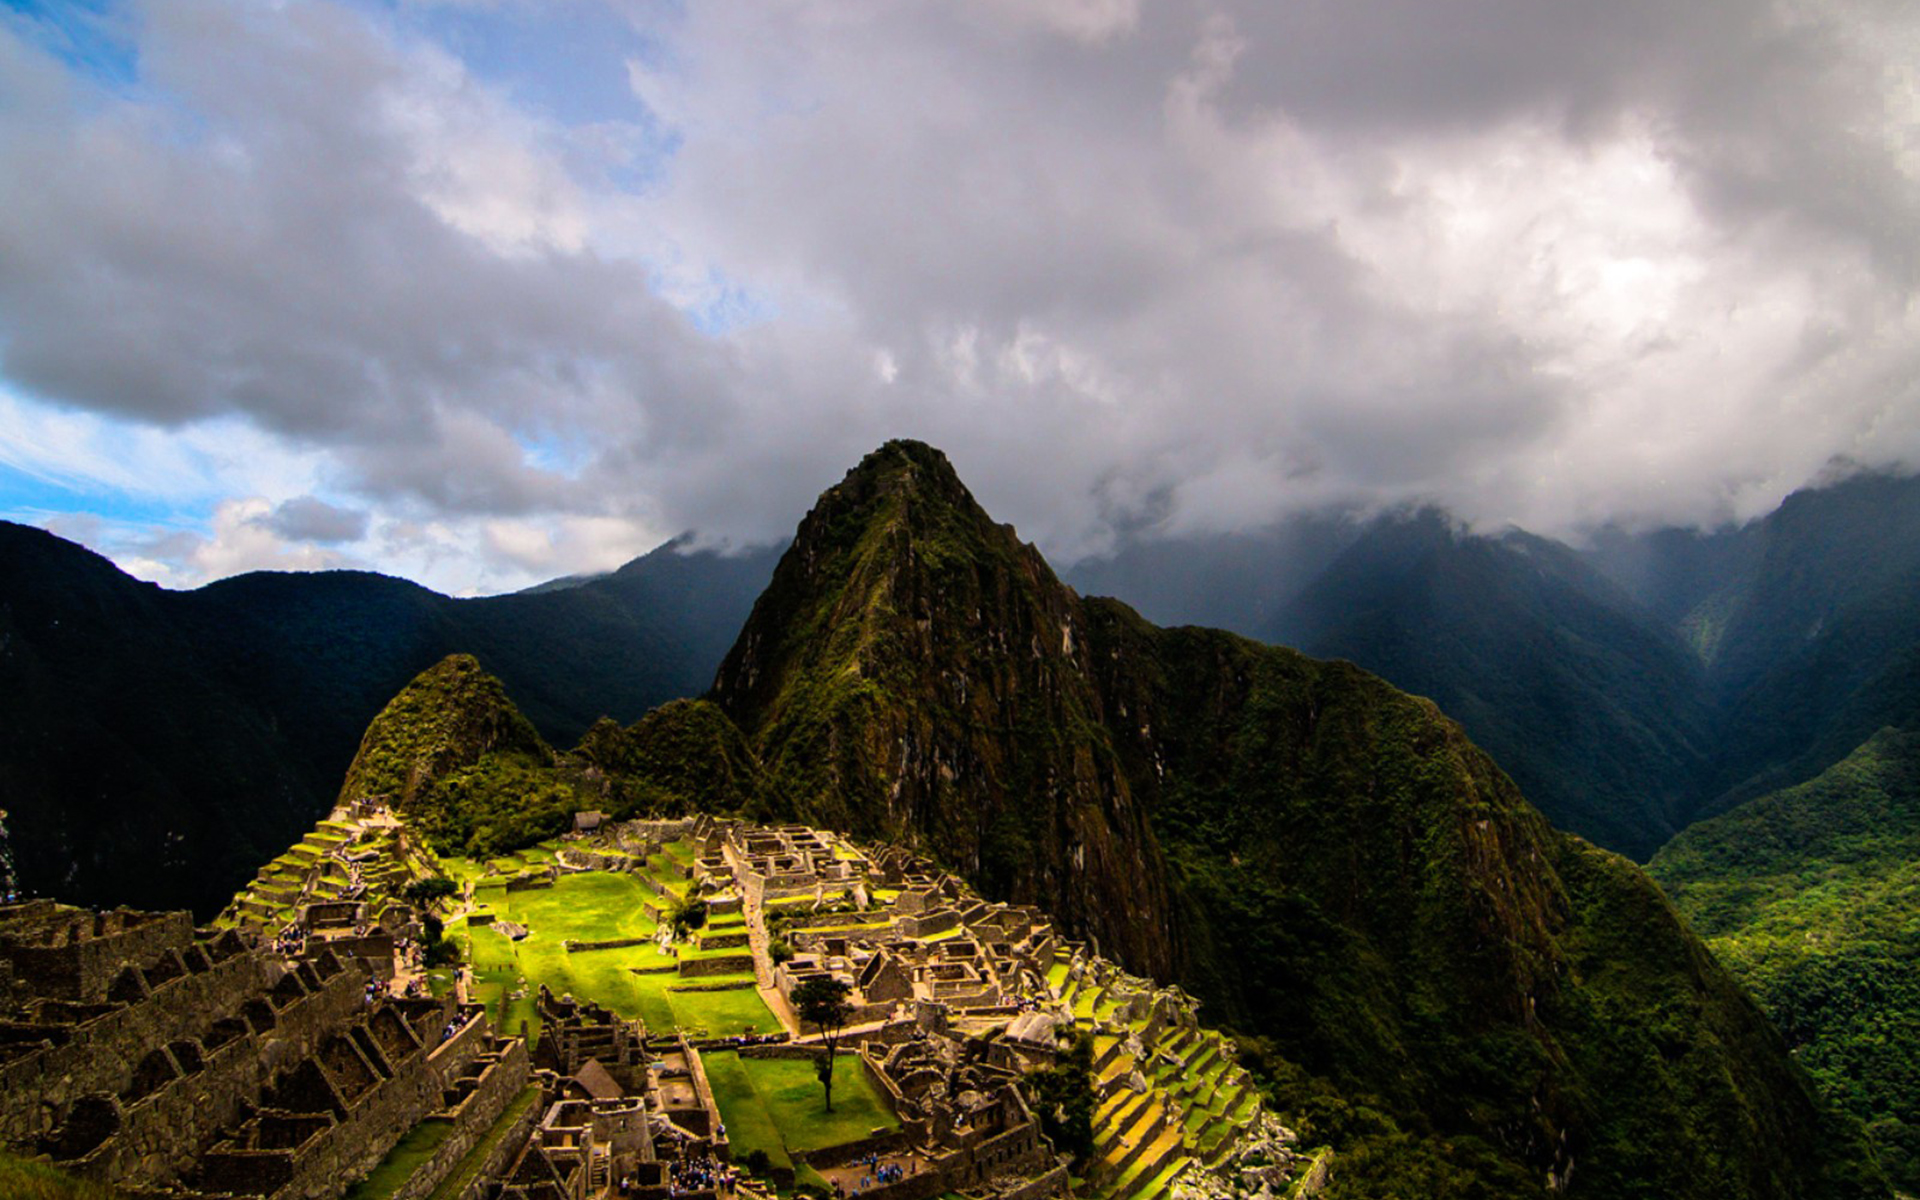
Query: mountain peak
{"points": [[447, 719], [904, 487], [914, 671], [906, 458]]}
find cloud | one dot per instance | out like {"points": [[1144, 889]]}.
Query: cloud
{"points": [[308, 519], [1133, 263], [1548, 264], [243, 538]]}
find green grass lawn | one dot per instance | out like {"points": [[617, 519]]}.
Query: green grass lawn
{"points": [[594, 906], [777, 1105], [664, 873], [719, 1013], [750, 1126]]}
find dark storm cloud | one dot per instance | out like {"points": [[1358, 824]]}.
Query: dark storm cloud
{"points": [[1176, 264]]}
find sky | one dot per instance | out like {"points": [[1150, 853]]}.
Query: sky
{"points": [[485, 292]]}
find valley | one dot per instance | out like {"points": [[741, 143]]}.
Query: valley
{"points": [[1201, 909]]}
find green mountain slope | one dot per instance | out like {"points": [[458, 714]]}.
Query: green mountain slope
{"points": [[1595, 710], [1630, 686], [915, 671], [156, 745], [1330, 864], [455, 757], [1812, 897]]}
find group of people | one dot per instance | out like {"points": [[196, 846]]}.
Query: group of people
{"points": [[698, 1173], [290, 942], [880, 1174]]}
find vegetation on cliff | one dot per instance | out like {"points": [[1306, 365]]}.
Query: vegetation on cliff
{"points": [[1463, 1000], [914, 671], [1812, 897], [1335, 867], [453, 754]]}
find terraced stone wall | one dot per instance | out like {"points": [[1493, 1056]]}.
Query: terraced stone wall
{"points": [[472, 1117], [100, 1050], [185, 1092], [73, 954]]}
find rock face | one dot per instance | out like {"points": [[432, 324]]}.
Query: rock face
{"points": [[915, 671], [1326, 862], [1461, 999]]}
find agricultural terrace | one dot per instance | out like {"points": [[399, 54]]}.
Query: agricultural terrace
{"points": [[594, 907]]}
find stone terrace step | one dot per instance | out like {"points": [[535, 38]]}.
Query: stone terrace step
{"points": [[1162, 1184], [1114, 1074], [1110, 1117], [1207, 1061], [1147, 1165], [1147, 1132]]}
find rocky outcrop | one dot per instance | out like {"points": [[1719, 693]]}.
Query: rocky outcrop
{"points": [[916, 672]]}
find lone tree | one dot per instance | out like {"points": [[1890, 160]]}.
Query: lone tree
{"points": [[822, 1003]]}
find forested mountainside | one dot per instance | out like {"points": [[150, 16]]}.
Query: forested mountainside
{"points": [[155, 744], [1811, 896], [1465, 1001], [1631, 686]]}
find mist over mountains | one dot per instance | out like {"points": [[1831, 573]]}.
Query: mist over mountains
{"points": [[156, 743], [1631, 686]]}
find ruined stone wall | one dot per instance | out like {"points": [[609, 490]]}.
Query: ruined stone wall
{"points": [[472, 1119], [162, 1132], [893, 1141], [595, 860], [494, 1168], [73, 954], [726, 964], [923, 1185], [100, 1055], [377, 1120], [1050, 1183]]}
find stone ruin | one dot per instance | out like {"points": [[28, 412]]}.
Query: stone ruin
{"points": [[174, 1062], [621, 1111], [269, 1062], [960, 1106]]}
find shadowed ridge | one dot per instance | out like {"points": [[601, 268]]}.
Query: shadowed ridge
{"points": [[915, 671]]}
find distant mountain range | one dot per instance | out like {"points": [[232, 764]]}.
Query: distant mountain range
{"points": [[1630, 687], [154, 744], [157, 746]]}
